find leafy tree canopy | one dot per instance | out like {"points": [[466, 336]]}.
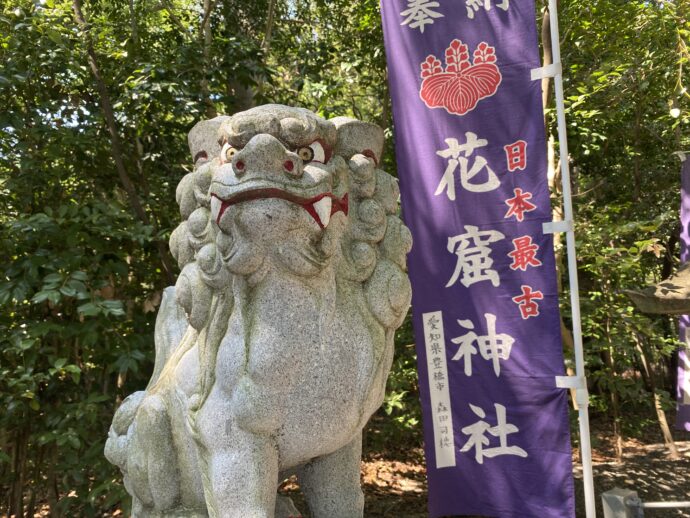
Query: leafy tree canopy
{"points": [[98, 97]]}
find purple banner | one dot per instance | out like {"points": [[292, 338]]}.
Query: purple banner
{"points": [[683, 384], [471, 156]]}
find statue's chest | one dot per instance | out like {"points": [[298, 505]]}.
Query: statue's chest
{"points": [[287, 328], [308, 348], [306, 369]]}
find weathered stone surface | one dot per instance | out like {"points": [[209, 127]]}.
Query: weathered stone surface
{"points": [[669, 297], [273, 348], [285, 508]]}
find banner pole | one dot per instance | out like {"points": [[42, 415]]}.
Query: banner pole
{"points": [[582, 396]]}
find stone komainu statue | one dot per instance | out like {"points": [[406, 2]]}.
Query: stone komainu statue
{"points": [[273, 348]]}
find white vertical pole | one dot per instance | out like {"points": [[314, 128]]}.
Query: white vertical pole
{"points": [[582, 397]]}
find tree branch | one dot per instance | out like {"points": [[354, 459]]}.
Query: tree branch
{"points": [[208, 9], [266, 43], [206, 41], [133, 23], [171, 14], [115, 145]]}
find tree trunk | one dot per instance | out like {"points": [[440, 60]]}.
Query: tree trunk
{"points": [[171, 14], [616, 411], [609, 357], [115, 145], [31, 507], [547, 57], [133, 24], [53, 490], [637, 173], [650, 375], [244, 96], [266, 43], [206, 37], [16, 504]]}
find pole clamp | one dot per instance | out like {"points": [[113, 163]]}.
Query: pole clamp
{"points": [[551, 227], [551, 70], [578, 384]]}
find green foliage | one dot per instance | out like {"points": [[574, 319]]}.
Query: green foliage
{"points": [[401, 407], [616, 334], [626, 69], [81, 273], [329, 57], [63, 341]]}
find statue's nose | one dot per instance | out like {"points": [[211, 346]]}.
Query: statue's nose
{"points": [[266, 154]]}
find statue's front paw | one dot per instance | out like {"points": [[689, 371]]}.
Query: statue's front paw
{"points": [[125, 413], [118, 436]]}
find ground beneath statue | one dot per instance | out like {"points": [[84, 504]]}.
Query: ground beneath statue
{"points": [[395, 484]]}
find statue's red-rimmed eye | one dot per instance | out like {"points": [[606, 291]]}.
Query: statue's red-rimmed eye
{"points": [[306, 154], [314, 152], [226, 153]]}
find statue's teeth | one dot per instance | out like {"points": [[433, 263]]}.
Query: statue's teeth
{"points": [[323, 209], [216, 204]]}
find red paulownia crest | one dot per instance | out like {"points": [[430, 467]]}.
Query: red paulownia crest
{"points": [[462, 84]]}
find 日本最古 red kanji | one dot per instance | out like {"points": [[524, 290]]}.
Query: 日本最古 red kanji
{"points": [[516, 155], [524, 253], [520, 204], [525, 301]]}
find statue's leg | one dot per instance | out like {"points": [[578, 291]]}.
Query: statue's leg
{"points": [[331, 484], [241, 475], [239, 466], [152, 470]]}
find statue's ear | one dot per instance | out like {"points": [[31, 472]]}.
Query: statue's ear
{"points": [[357, 137], [203, 139]]}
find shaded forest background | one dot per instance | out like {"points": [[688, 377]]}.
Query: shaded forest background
{"points": [[96, 99]]}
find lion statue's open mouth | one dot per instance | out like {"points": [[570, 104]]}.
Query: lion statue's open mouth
{"points": [[273, 348], [320, 207]]}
